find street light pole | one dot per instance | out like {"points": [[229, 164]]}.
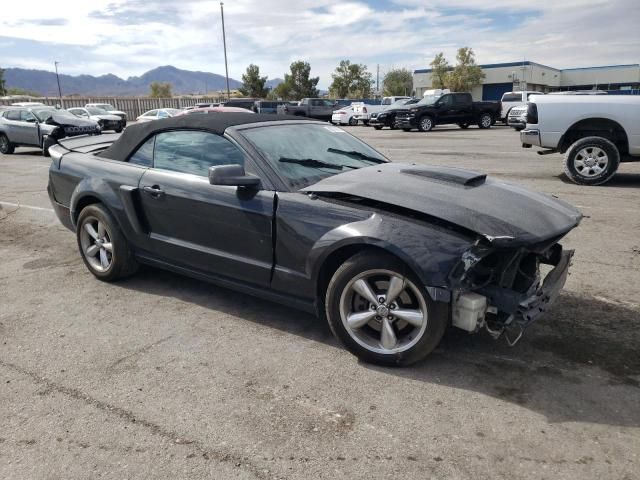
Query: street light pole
{"points": [[224, 42], [58, 80]]}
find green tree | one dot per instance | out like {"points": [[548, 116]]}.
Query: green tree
{"points": [[160, 90], [351, 80], [298, 84], [253, 85], [398, 81], [21, 91], [466, 74], [3, 91], [440, 71]]}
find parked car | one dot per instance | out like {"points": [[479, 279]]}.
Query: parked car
{"points": [[344, 116], [305, 214], [40, 127], [456, 108], [364, 111], [518, 118], [320, 108], [595, 132], [387, 117], [28, 104], [106, 120], [200, 111], [157, 114], [246, 103], [110, 109], [269, 106], [205, 104], [514, 99]]}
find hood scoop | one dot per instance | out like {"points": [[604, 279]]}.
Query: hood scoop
{"points": [[467, 178]]}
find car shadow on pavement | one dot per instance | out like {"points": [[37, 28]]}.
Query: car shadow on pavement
{"points": [[620, 179], [580, 363]]}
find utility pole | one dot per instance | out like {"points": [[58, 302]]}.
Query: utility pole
{"points": [[378, 80], [58, 79], [224, 42]]}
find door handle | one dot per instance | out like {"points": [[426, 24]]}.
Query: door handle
{"points": [[155, 191]]}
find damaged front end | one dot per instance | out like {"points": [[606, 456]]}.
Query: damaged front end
{"points": [[504, 290]]}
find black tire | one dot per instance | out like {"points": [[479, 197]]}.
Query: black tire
{"points": [[6, 147], [46, 143], [353, 121], [430, 336], [366, 123], [406, 129], [485, 121], [586, 175], [118, 130], [425, 123], [377, 127], [463, 125], [122, 263]]}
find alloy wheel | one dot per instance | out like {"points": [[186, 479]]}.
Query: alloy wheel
{"points": [[383, 311], [591, 161], [425, 124], [95, 240], [485, 121], [4, 144]]}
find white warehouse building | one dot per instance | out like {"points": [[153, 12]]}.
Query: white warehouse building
{"points": [[526, 75]]}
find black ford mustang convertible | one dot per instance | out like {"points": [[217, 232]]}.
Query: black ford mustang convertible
{"points": [[303, 213]]}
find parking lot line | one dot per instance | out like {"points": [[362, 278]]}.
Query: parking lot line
{"points": [[28, 207]]}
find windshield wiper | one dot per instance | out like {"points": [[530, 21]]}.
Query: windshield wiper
{"points": [[312, 162], [356, 154]]}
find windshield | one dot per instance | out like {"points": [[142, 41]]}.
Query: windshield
{"points": [[97, 111], [43, 113], [429, 100], [305, 154], [172, 111]]}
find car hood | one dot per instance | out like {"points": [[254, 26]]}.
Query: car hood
{"points": [[504, 214], [68, 120], [105, 117]]}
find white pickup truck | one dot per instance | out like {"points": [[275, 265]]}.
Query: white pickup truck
{"points": [[595, 132], [363, 112], [511, 100]]}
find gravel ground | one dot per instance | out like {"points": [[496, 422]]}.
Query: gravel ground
{"points": [[160, 376]]}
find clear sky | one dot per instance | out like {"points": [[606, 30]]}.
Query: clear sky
{"points": [[129, 37]]}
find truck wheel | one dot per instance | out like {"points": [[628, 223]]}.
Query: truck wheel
{"points": [[485, 120], [425, 124], [591, 161], [6, 147], [103, 247], [380, 311], [463, 125]]}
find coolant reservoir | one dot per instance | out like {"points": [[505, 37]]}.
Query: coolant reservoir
{"points": [[468, 311]]}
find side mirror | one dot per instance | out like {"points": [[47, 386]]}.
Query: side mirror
{"points": [[232, 175], [31, 120]]}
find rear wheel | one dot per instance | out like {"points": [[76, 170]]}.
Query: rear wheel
{"points": [[103, 247], [485, 120], [378, 309], [425, 124], [591, 161], [6, 147]]}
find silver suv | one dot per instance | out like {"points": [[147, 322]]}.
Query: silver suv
{"points": [[40, 126]]}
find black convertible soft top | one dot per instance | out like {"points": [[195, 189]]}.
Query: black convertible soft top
{"points": [[134, 135]]}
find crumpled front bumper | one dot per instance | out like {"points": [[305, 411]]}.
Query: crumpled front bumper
{"points": [[523, 309]]}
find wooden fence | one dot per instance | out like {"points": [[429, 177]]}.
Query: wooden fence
{"points": [[133, 106]]}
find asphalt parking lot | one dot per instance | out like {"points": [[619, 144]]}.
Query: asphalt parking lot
{"points": [[160, 376]]}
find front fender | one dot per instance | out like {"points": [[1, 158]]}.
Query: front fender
{"points": [[429, 250]]}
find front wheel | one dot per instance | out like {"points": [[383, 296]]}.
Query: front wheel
{"points": [[353, 121], [591, 161], [6, 147], [380, 311], [425, 124], [103, 247], [485, 120]]}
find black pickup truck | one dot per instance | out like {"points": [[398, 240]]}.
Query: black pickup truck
{"points": [[458, 108]]}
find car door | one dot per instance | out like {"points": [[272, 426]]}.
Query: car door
{"points": [[13, 126], [447, 113], [221, 230], [30, 128]]}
